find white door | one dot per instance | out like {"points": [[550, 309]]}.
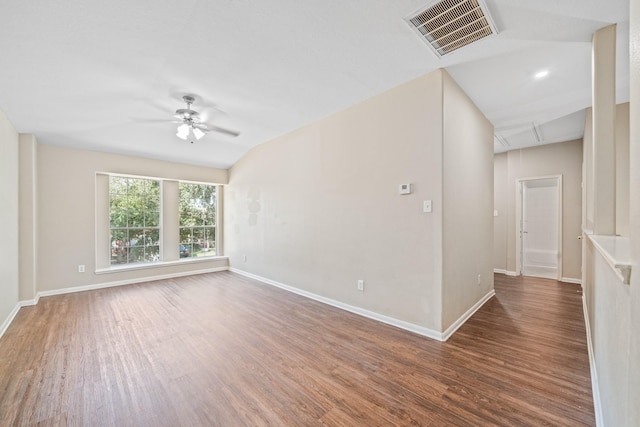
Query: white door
{"points": [[540, 228]]}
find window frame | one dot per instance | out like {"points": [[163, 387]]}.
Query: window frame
{"points": [[217, 218], [167, 233], [128, 228]]}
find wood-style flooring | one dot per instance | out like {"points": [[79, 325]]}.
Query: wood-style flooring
{"points": [[220, 349]]}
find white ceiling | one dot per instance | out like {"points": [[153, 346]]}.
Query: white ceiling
{"points": [[95, 74]]}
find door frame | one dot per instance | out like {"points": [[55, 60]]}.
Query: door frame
{"points": [[518, 219]]}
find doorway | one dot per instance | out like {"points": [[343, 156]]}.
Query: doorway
{"points": [[539, 227]]}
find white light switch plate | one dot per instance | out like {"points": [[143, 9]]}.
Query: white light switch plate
{"points": [[426, 206]]}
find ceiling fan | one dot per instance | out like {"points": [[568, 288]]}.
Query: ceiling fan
{"points": [[191, 125]]}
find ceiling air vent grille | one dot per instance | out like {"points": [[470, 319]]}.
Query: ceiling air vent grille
{"points": [[451, 24]]}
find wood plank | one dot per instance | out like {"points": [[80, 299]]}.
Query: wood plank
{"points": [[222, 349]]}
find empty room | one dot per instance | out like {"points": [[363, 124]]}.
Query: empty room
{"points": [[243, 213]]}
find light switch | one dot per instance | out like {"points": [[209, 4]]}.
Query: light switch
{"points": [[426, 206], [495, 213]]}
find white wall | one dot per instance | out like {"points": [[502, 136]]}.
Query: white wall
{"points": [[8, 219], [634, 217], [319, 208], [609, 309], [608, 301], [613, 307], [564, 159]]}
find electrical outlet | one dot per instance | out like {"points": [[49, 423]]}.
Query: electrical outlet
{"points": [[81, 268], [479, 279], [361, 285]]}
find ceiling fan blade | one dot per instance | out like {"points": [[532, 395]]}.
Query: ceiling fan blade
{"points": [[229, 132], [155, 120], [210, 128]]}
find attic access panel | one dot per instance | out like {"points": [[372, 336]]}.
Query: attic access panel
{"points": [[449, 25]]}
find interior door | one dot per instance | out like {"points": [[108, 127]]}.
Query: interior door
{"points": [[539, 228]]}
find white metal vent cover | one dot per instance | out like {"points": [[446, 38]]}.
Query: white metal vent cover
{"points": [[449, 25]]}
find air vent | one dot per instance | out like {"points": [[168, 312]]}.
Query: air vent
{"points": [[451, 24]]}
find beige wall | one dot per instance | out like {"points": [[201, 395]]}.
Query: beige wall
{"points": [[603, 70], [67, 214], [588, 175], [28, 194], [319, 208], [468, 203], [554, 159], [500, 204], [8, 219], [622, 169]]}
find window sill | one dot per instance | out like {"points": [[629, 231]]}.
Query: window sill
{"points": [[133, 267], [616, 250]]}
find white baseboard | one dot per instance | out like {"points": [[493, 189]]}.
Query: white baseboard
{"points": [[505, 272], [454, 327], [595, 388], [30, 302], [127, 282], [513, 273], [34, 301], [420, 330], [9, 319]]}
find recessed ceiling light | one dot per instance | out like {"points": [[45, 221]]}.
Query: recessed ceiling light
{"points": [[541, 74]]}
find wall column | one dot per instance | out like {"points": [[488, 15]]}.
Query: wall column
{"points": [[28, 221], [170, 221], [604, 116]]}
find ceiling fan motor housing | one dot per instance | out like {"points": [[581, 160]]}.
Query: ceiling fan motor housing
{"points": [[187, 113], [191, 118]]}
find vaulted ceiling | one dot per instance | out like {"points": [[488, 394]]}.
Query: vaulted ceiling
{"points": [[105, 75]]}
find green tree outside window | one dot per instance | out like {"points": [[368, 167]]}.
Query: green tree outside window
{"points": [[134, 211], [198, 212]]}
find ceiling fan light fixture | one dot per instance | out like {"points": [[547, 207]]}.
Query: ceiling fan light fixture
{"points": [[197, 133], [191, 125], [183, 131], [541, 74]]}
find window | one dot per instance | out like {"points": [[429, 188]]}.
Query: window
{"points": [[146, 222], [197, 220], [134, 218]]}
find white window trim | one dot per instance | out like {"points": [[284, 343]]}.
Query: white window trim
{"points": [[143, 266], [218, 209], [128, 228], [102, 227]]}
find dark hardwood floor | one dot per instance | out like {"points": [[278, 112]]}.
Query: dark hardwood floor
{"points": [[223, 350]]}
